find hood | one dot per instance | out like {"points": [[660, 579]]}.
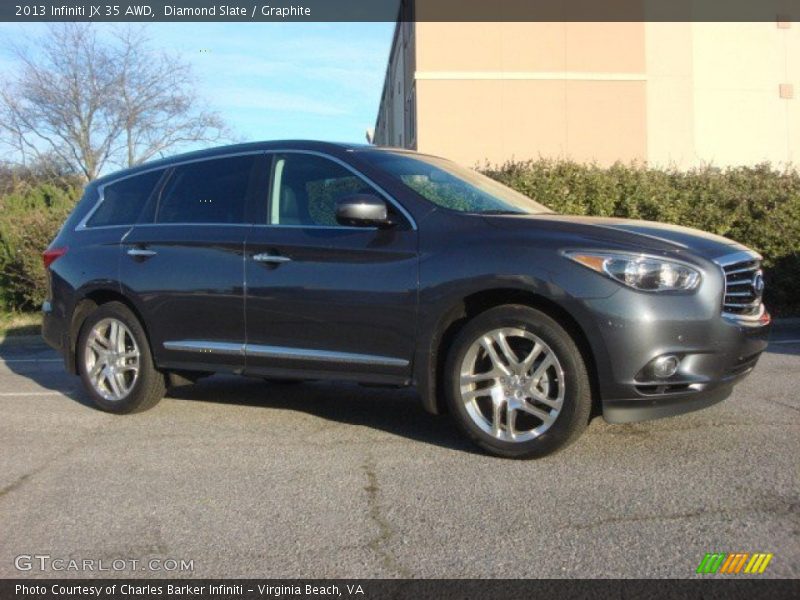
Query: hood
{"points": [[647, 235]]}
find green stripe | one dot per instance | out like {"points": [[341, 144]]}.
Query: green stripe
{"points": [[702, 566], [711, 563]]}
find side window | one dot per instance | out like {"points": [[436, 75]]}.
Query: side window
{"points": [[123, 201], [209, 191], [305, 189]]}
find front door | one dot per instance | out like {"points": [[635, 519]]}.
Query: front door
{"points": [[325, 299]]}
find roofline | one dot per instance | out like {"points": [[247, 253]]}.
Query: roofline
{"points": [[332, 148], [265, 145]]}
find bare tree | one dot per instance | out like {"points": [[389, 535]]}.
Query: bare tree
{"points": [[61, 101], [157, 102], [94, 102]]}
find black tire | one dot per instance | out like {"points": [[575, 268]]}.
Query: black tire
{"points": [[149, 386], [576, 405]]}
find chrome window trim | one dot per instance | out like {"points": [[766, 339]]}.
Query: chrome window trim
{"points": [[240, 225], [386, 195], [101, 190], [335, 227], [82, 226], [283, 352], [187, 224], [100, 227]]}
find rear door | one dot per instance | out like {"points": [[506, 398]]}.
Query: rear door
{"points": [[329, 300], [183, 262]]}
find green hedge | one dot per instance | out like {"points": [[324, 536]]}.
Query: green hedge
{"points": [[758, 206], [29, 219]]}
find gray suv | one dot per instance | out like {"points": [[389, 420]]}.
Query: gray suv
{"points": [[307, 260]]}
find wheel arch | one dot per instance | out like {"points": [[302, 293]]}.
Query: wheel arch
{"points": [[85, 306], [430, 370]]}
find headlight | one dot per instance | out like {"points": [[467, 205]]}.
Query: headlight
{"points": [[640, 272]]}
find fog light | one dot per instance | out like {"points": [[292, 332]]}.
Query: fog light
{"points": [[665, 366]]}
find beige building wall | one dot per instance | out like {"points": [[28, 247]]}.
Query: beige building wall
{"points": [[714, 93], [491, 92], [670, 95], [679, 94]]}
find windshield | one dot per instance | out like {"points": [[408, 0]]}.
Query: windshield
{"points": [[448, 185]]}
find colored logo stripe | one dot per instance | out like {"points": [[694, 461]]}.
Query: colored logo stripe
{"points": [[711, 563], [758, 564], [722, 562], [734, 563]]}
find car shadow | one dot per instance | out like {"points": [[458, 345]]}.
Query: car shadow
{"points": [[792, 349], [26, 355], [395, 411], [785, 338]]}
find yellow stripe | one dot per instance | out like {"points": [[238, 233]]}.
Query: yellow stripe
{"points": [[767, 558], [758, 563], [753, 564]]}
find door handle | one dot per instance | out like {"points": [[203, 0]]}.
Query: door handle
{"points": [[265, 257], [141, 252]]}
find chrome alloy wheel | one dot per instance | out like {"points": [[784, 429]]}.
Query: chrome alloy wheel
{"points": [[512, 384], [112, 359]]}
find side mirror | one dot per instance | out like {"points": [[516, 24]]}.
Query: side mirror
{"points": [[362, 210]]}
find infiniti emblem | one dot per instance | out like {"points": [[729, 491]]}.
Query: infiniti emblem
{"points": [[758, 283]]}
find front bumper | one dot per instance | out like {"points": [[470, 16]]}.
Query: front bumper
{"points": [[707, 375], [716, 351], [633, 410]]}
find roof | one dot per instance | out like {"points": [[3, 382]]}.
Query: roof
{"points": [[329, 147]]}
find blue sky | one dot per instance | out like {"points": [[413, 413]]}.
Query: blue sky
{"points": [[273, 80]]}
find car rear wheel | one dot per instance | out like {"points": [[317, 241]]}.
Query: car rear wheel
{"points": [[517, 384], [115, 363]]}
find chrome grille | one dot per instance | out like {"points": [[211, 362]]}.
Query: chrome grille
{"points": [[744, 286]]}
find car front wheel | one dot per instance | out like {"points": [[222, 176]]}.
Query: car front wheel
{"points": [[517, 383], [115, 363]]}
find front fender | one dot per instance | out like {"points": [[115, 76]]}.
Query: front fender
{"points": [[445, 308]]}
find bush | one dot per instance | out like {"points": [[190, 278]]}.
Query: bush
{"points": [[30, 217], [756, 206], [48, 169]]}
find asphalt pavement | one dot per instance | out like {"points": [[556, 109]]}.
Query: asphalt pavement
{"points": [[241, 478]]}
